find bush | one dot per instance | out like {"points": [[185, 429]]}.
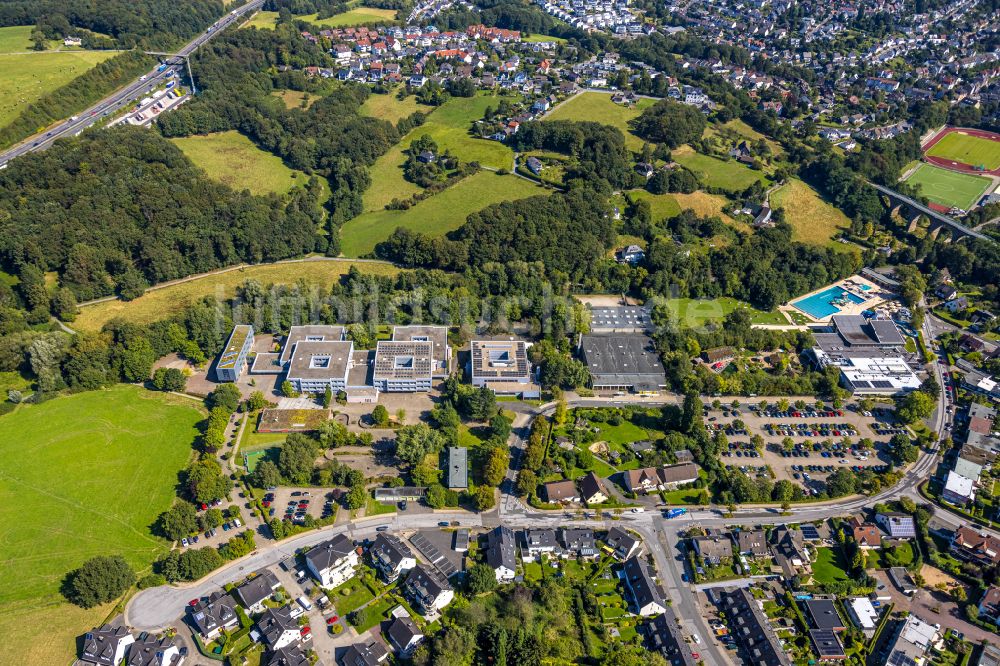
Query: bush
{"points": [[152, 580]]}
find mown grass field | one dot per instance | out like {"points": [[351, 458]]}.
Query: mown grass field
{"points": [[293, 98], [82, 475], [713, 172], [160, 303], [535, 39], [744, 130], [449, 126], [16, 38], [661, 206], [813, 220], [949, 188], [437, 214], [388, 107], [968, 149], [26, 77], [233, 160], [262, 19], [698, 312], [598, 107]]}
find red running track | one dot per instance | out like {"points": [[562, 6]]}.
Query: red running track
{"points": [[960, 167]]}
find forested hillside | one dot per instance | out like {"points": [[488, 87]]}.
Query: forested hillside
{"points": [[127, 24], [124, 208]]}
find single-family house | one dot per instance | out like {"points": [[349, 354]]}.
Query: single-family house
{"points": [[287, 656], [752, 543], [897, 525], [535, 543], [989, 605], [332, 562], [578, 542], [622, 544], [500, 553], [370, 653], [106, 645], [958, 489], [427, 590], [560, 492], [404, 635], [593, 490], [213, 615], [972, 546], [149, 650], [277, 628], [253, 593], [644, 595], [713, 548], [867, 536]]}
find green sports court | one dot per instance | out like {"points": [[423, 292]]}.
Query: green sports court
{"points": [[949, 188], [976, 151]]}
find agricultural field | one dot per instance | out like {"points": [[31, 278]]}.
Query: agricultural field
{"points": [[968, 149], [93, 471], [437, 214], [234, 160], [449, 126], [949, 188], [698, 312], [598, 107], [714, 172], [390, 108], [26, 77], [158, 303], [813, 220]]}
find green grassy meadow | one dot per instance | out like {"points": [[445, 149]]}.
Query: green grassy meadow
{"points": [[449, 126], [388, 107], [698, 312], [355, 16], [80, 476], [949, 188], [598, 107], [437, 214], [968, 149], [813, 220], [713, 172], [26, 77], [829, 566], [233, 160]]}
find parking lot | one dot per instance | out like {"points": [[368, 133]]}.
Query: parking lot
{"points": [[217, 536], [803, 445], [296, 503]]}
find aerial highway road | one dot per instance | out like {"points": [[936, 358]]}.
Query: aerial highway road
{"points": [[124, 97]]}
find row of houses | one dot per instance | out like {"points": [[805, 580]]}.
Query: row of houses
{"points": [[976, 455]]}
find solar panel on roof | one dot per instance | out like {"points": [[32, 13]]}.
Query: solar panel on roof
{"points": [[809, 532]]}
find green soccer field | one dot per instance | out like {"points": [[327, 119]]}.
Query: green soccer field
{"points": [[949, 188], [967, 149], [80, 476]]}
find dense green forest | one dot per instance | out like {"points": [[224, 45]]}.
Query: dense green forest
{"points": [[161, 23], [599, 150], [120, 209], [237, 72]]}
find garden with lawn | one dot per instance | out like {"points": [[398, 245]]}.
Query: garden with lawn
{"points": [[93, 471], [829, 566]]}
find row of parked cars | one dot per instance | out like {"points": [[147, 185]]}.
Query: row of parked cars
{"points": [[810, 429], [226, 526]]}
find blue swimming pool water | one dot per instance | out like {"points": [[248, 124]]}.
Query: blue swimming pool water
{"points": [[820, 306]]}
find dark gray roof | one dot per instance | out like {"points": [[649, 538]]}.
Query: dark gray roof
{"points": [[578, 539], [824, 615], [500, 548], [827, 644], [664, 636], [273, 622], [326, 554], [148, 649], [458, 467], [590, 485], [318, 332], [100, 644], [389, 549], [643, 589], [623, 360], [364, 654], [256, 590], [539, 538], [401, 631], [426, 582], [217, 613], [619, 317], [750, 627], [291, 655], [620, 540]]}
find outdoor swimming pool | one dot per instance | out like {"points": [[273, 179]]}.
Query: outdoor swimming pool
{"points": [[823, 304]]}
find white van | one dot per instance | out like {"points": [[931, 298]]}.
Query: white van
{"points": [[304, 602]]}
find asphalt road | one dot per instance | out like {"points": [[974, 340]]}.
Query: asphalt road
{"points": [[124, 97]]}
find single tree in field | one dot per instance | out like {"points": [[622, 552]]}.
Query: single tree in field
{"points": [[100, 580]]}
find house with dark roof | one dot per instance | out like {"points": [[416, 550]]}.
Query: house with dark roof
{"points": [[149, 650], [106, 645], [370, 653], [751, 629], [213, 616], [752, 543], [823, 614], [253, 593], [427, 590], [663, 635], [404, 635], [713, 548], [644, 595], [827, 644], [288, 656], [332, 562], [535, 543], [989, 605], [578, 542], [277, 628], [391, 557], [622, 544], [623, 363], [500, 553], [593, 490]]}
